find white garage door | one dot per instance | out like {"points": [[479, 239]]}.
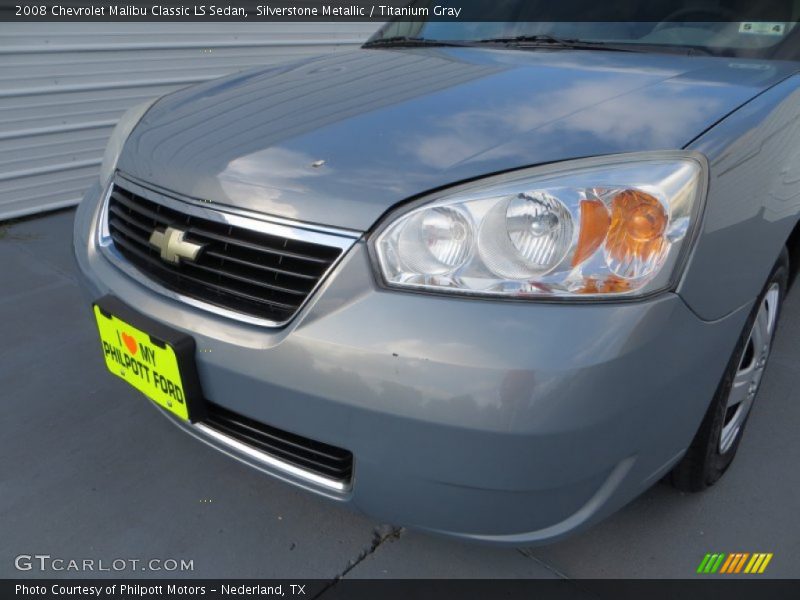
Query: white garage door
{"points": [[64, 85]]}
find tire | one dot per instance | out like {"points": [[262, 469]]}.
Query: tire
{"points": [[714, 446]]}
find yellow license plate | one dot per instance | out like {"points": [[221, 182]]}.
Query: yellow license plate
{"points": [[149, 365]]}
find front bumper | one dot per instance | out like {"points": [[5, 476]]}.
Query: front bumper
{"points": [[490, 420]]}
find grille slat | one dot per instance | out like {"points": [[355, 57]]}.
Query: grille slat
{"points": [[118, 197], [133, 235], [248, 280], [145, 225], [238, 268], [259, 266], [277, 450], [196, 232], [321, 458]]}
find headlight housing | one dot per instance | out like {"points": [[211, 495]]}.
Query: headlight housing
{"points": [[117, 140], [606, 227]]}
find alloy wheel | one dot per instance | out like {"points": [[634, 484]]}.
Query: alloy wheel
{"points": [[747, 379]]}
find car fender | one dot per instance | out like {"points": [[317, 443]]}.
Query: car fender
{"points": [[753, 201]]}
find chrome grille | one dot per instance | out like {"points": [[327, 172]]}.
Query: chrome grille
{"points": [[240, 269]]}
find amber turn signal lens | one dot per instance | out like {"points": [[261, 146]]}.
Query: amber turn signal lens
{"points": [[611, 285], [635, 238], [595, 222]]}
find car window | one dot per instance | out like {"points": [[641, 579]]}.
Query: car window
{"points": [[743, 28]]}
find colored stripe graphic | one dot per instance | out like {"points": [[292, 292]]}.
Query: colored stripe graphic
{"points": [[741, 562], [711, 564], [701, 568], [754, 563], [734, 563], [765, 563], [727, 564], [734, 558], [719, 562]]}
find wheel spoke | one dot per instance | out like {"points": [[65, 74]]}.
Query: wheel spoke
{"points": [[771, 301], [760, 335], [729, 433], [740, 390]]}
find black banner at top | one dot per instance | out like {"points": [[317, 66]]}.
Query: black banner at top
{"points": [[743, 11]]}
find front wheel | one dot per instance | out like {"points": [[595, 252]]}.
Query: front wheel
{"points": [[720, 433]]}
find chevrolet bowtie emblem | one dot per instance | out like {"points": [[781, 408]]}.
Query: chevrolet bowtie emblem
{"points": [[173, 247]]}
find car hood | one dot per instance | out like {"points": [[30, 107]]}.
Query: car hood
{"points": [[338, 140]]}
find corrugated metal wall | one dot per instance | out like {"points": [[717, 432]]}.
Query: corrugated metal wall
{"points": [[64, 85]]}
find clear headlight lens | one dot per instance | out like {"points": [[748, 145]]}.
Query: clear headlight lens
{"points": [[525, 236], [117, 140], [617, 226], [437, 241]]}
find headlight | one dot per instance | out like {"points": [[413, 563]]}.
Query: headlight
{"points": [[603, 227], [117, 140]]}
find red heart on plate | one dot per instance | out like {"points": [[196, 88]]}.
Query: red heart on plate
{"points": [[130, 343]]}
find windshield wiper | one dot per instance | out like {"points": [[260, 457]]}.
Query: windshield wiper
{"points": [[403, 41], [535, 41], [549, 41]]}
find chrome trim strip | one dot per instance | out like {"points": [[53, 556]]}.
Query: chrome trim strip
{"points": [[342, 239], [269, 460], [266, 463], [294, 224]]}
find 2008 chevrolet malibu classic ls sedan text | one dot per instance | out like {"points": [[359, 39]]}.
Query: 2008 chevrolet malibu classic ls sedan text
{"points": [[490, 280]]}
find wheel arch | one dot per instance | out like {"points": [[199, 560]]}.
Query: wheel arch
{"points": [[793, 247]]}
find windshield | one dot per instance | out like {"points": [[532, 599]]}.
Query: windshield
{"points": [[717, 27]]}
